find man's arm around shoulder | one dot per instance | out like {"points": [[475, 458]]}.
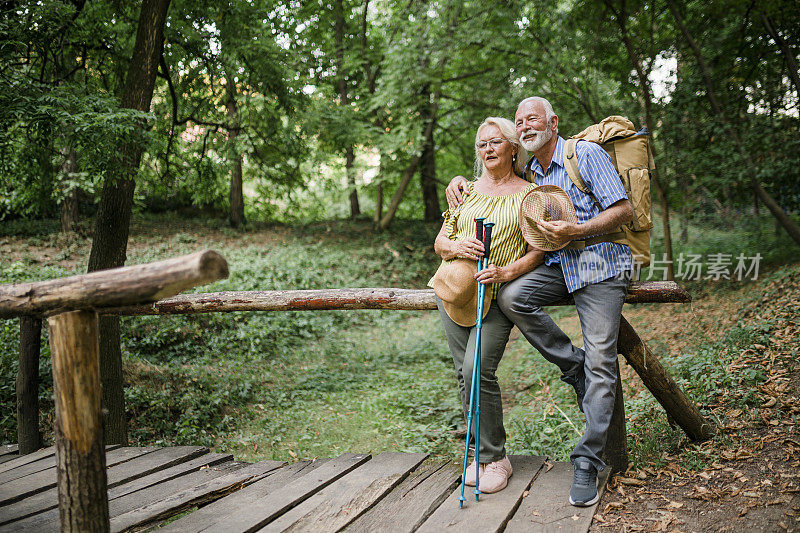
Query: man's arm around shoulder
{"points": [[455, 191]]}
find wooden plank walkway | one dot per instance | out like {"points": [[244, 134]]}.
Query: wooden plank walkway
{"points": [[189, 489]]}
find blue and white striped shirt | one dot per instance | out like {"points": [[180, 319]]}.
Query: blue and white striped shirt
{"points": [[600, 261]]}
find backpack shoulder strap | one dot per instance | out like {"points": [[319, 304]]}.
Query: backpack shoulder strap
{"points": [[571, 166]]}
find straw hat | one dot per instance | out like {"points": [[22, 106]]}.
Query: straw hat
{"points": [[455, 284], [545, 202]]}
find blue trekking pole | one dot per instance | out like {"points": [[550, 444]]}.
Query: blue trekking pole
{"points": [[461, 499], [476, 380]]}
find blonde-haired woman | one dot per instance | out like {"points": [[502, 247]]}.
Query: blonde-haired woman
{"points": [[496, 195]]}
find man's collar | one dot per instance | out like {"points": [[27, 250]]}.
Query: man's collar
{"points": [[558, 158]]}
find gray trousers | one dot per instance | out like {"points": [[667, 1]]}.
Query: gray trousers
{"points": [[599, 307], [494, 336]]}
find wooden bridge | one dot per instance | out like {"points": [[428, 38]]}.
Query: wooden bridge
{"points": [[82, 485], [390, 492]]}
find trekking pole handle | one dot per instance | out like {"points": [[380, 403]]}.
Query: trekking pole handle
{"points": [[487, 238], [479, 228]]}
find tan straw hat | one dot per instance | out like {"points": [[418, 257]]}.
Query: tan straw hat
{"points": [[545, 202], [455, 284]]}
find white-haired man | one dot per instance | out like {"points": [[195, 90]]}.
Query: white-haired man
{"points": [[598, 292]]}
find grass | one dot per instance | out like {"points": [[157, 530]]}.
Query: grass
{"points": [[289, 385]]}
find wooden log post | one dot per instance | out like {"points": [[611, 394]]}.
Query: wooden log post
{"points": [[80, 450], [661, 385], [28, 436], [616, 449]]}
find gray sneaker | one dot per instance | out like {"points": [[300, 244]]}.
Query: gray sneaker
{"points": [[584, 484]]}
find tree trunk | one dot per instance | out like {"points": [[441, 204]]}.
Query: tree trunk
{"points": [[80, 452], [69, 205], [344, 101], [236, 215], [427, 173], [780, 215], [378, 203], [379, 192], [791, 60], [756, 210], [349, 159], [662, 198], [391, 210], [114, 212], [30, 334]]}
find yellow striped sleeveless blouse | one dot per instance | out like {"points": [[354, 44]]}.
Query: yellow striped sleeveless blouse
{"points": [[507, 243]]}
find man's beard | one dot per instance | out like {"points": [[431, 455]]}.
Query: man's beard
{"points": [[542, 138]]}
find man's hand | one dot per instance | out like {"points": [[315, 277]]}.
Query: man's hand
{"points": [[493, 274], [454, 191], [559, 232]]}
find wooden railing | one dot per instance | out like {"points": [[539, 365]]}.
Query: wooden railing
{"points": [[338, 299], [70, 305]]}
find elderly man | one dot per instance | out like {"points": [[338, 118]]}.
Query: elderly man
{"points": [[597, 277]]}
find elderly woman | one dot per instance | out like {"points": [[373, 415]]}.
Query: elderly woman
{"points": [[495, 195]]}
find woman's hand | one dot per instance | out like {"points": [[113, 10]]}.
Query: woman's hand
{"points": [[494, 274], [470, 248]]}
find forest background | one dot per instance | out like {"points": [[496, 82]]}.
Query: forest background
{"points": [[310, 141]]}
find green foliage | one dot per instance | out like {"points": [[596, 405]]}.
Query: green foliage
{"points": [[290, 87], [52, 102], [179, 405]]}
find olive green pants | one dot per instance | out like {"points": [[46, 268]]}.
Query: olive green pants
{"points": [[494, 336]]}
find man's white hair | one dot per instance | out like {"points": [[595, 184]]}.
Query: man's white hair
{"points": [[548, 108]]}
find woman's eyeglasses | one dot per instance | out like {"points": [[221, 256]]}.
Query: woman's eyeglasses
{"points": [[494, 143]]}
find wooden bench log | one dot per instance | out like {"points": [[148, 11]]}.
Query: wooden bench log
{"points": [[615, 453], [341, 299]]}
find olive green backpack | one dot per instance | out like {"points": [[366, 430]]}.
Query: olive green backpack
{"points": [[630, 152]]}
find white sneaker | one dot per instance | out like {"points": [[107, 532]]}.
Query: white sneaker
{"points": [[469, 479], [495, 477]]}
